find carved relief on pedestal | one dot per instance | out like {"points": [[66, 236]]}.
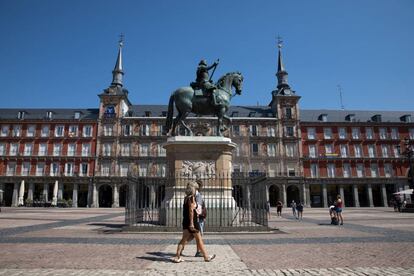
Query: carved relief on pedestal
{"points": [[198, 168], [200, 129]]}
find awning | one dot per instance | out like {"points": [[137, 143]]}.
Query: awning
{"points": [[404, 192]]}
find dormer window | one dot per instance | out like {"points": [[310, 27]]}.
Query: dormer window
{"points": [[252, 114], [77, 115], [406, 118], [376, 118], [49, 115], [323, 117], [235, 114], [147, 113], [20, 115], [350, 118]]}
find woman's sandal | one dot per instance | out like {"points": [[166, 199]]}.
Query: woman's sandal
{"points": [[210, 258], [179, 260]]}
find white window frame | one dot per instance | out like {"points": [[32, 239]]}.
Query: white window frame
{"points": [[342, 133], [57, 149], [358, 150], [81, 169], [374, 170], [59, 130], [314, 170], [87, 131], [388, 171], [346, 170], [25, 171], [394, 133], [360, 170], [11, 168], [28, 149], [5, 129], [311, 133], [2, 149], [86, 149], [31, 131], [344, 150], [54, 169], [369, 133], [385, 151], [371, 151], [73, 130], [356, 133], [107, 149], [45, 131], [383, 133], [330, 167], [313, 151], [14, 149], [327, 133], [40, 169], [69, 169], [17, 131], [71, 151], [329, 149]]}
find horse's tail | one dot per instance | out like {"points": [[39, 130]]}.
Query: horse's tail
{"points": [[170, 114]]}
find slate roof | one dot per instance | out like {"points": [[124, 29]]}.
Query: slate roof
{"points": [[58, 113]]}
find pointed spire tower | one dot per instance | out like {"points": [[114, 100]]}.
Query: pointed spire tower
{"points": [[283, 87], [118, 73]]}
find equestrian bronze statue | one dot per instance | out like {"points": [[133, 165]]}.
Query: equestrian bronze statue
{"points": [[203, 98]]}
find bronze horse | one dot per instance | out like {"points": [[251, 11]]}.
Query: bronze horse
{"points": [[185, 101]]}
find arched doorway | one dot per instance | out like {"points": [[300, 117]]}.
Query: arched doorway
{"points": [[105, 196], [274, 195], [237, 194], [122, 195], [292, 194]]}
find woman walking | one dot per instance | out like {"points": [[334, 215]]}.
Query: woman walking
{"points": [[191, 229]]}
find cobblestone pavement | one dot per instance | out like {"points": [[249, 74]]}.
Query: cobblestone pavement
{"points": [[56, 241]]}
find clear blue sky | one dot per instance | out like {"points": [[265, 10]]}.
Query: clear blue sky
{"points": [[61, 53]]}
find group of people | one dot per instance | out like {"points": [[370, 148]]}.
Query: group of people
{"points": [[297, 209], [335, 212], [194, 215]]}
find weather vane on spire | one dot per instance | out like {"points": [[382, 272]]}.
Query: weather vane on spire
{"points": [[279, 42], [121, 40]]}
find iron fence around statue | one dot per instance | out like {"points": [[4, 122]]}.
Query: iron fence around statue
{"points": [[235, 202]]}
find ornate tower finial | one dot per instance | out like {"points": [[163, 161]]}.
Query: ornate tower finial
{"points": [[281, 72], [118, 72]]}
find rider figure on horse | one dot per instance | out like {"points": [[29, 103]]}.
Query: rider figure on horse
{"points": [[203, 80]]}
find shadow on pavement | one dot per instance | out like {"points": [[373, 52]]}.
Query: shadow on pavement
{"points": [[158, 257]]}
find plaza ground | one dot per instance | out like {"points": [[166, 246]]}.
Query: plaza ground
{"points": [[53, 241]]}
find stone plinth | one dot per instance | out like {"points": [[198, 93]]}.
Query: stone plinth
{"points": [[205, 157]]}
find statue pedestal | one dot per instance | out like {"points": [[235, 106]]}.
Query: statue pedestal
{"points": [[207, 158]]}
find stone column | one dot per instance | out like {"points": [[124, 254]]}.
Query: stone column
{"points": [[356, 196], [55, 193], [267, 192], [90, 194], [115, 196], [384, 195], [15, 198], [21, 193], [308, 195], [325, 195], [407, 197], [1, 193], [30, 192], [75, 195], [341, 192], [60, 191], [370, 199], [285, 204], [303, 192], [95, 196], [45, 192]]}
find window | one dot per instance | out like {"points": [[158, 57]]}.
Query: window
{"points": [[384, 151], [347, 170], [105, 169], [411, 133], [69, 169], [20, 115], [145, 130], [49, 115], [127, 130], [106, 149], [355, 133], [57, 148], [143, 150], [14, 148], [271, 132], [289, 131], [329, 149], [374, 170], [28, 149], [71, 150], [327, 133], [344, 150], [394, 133], [11, 169], [125, 149], [2, 149], [236, 130], [360, 170], [42, 150], [323, 117], [123, 169], [45, 131], [253, 130], [371, 151], [31, 131], [311, 133], [4, 131], [288, 113], [255, 149], [17, 131], [77, 115], [396, 151], [25, 169], [271, 150], [161, 150], [314, 170], [291, 171], [87, 131], [383, 133], [59, 130], [73, 131], [142, 169], [54, 169], [331, 170], [40, 169], [86, 149], [388, 170], [312, 151], [83, 169], [290, 150], [369, 133], [108, 130], [342, 133], [163, 170], [358, 150]]}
